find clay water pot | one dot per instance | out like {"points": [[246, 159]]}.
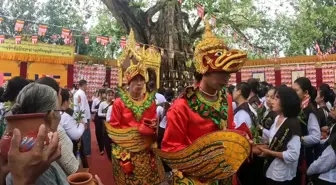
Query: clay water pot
{"points": [[81, 178], [28, 124]]}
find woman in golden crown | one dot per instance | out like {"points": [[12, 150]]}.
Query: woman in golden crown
{"points": [[197, 144], [132, 126]]}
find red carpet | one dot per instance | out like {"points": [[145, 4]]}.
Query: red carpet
{"points": [[98, 164]]}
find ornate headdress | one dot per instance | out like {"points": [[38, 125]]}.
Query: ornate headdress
{"points": [[211, 54], [137, 57]]}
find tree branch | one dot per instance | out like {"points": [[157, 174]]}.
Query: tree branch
{"points": [[195, 26], [185, 17], [129, 17], [157, 7], [197, 34], [236, 28]]}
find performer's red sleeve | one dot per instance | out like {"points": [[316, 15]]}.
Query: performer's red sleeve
{"points": [[243, 127], [230, 114], [116, 114], [175, 133]]}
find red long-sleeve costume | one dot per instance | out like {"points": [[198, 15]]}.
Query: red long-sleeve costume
{"points": [[123, 117], [133, 161]]}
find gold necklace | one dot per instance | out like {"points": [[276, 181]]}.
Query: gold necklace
{"points": [[208, 94], [138, 98]]}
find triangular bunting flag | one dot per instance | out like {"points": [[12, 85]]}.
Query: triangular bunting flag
{"points": [[65, 33], [34, 39], [2, 39], [18, 39], [212, 20], [42, 30], [200, 11], [19, 26], [104, 41], [67, 41], [98, 38], [87, 40], [123, 42]]}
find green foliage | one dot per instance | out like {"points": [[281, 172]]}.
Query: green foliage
{"points": [[314, 22], [107, 26]]}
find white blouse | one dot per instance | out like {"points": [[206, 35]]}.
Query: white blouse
{"points": [[283, 170], [73, 130], [242, 117], [109, 113], [314, 132], [103, 105], [325, 165]]}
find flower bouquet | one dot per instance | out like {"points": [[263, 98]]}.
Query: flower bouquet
{"points": [[256, 128]]}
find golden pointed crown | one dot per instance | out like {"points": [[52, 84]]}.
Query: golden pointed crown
{"points": [[143, 57], [212, 54]]}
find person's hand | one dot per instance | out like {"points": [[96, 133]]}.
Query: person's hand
{"points": [[4, 170], [28, 166], [98, 180], [264, 152], [332, 114]]}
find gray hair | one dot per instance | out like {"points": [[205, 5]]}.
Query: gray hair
{"points": [[35, 98]]}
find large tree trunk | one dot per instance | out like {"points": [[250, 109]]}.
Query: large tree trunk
{"points": [[167, 32]]}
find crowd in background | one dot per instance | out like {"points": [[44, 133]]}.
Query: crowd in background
{"points": [[309, 113]]}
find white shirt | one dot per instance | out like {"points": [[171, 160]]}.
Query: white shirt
{"points": [[159, 112], [234, 105], [81, 104], [325, 165], [73, 130], [95, 102], [283, 170], [314, 132], [160, 98], [109, 113], [242, 117], [102, 106], [329, 106]]}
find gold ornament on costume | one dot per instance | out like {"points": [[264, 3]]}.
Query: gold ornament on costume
{"points": [[212, 54], [136, 57], [212, 157]]}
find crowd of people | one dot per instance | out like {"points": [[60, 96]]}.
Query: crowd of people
{"points": [[250, 133]]}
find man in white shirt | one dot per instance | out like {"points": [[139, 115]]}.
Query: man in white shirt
{"points": [[82, 105], [159, 98]]}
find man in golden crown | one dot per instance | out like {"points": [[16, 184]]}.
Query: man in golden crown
{"points": [[197, 144], [132, 126]]}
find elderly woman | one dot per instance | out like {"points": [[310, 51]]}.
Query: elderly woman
{"points": [[38, 98], [68, 161]]}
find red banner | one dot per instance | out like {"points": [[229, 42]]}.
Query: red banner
{"points": [[2, 39], [34, 39], [42, 30], [200, 11], [19, 26], [65, 33], [18, 39], [123, 42], [87, 40]]}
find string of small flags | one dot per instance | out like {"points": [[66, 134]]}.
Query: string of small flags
{"points": [[67, 34]]}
